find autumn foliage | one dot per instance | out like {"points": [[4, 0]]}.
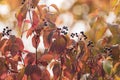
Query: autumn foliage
{"points": [[92, 57]]}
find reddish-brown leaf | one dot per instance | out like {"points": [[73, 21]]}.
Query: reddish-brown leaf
{"points": [[35, 41], [29, 32], [59, 44], [3, 44], [85, 50], [19, 43], [46, 57], [36, 73], [67, 74], [35, 2], [40, 9], [35, 20], [56, 71], [21, 15], [45, 74], [47, 37], [29, 59]]}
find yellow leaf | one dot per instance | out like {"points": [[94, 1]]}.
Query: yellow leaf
{"points": [[113, 3], [100, 32], [117, 9]]}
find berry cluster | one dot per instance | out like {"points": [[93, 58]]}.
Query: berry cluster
{"points": [[77, 35], [74, 35], [107, 50], [90, 43], [63, 30], [6, 31], [84, 36]]}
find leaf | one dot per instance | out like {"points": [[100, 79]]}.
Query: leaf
{"points": [[28, 70], [9, 77], [107, 66], [115, 52], [45, 75], [33, 71], [116, 68], [29, 59], [54, 6], [115, 30], [46, 57], [59, 44], [35, 2], [3, 44], [40, 10], [117, 8], [35, 41], [14, 45], [47, 37], [113, 3], [100, 32], [56, 71], [29, 32], [35, 20], [21, 74], [85, 51], [19, 43], [67, 74], [21, 15], [36, 73]]}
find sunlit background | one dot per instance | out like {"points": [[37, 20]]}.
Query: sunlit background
{"points": [[76, 14]]}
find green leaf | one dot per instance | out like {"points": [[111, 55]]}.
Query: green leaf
{"points": [[107, 66]]}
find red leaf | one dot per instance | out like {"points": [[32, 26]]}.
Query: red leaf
{"points": [[19, 43], [35, 20], [3, 44], [29, 59], [35, 41], [45, 75], [67, 74], [29, 32], [46, 57], [21, 15], [36, 73], [56, 71]]}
